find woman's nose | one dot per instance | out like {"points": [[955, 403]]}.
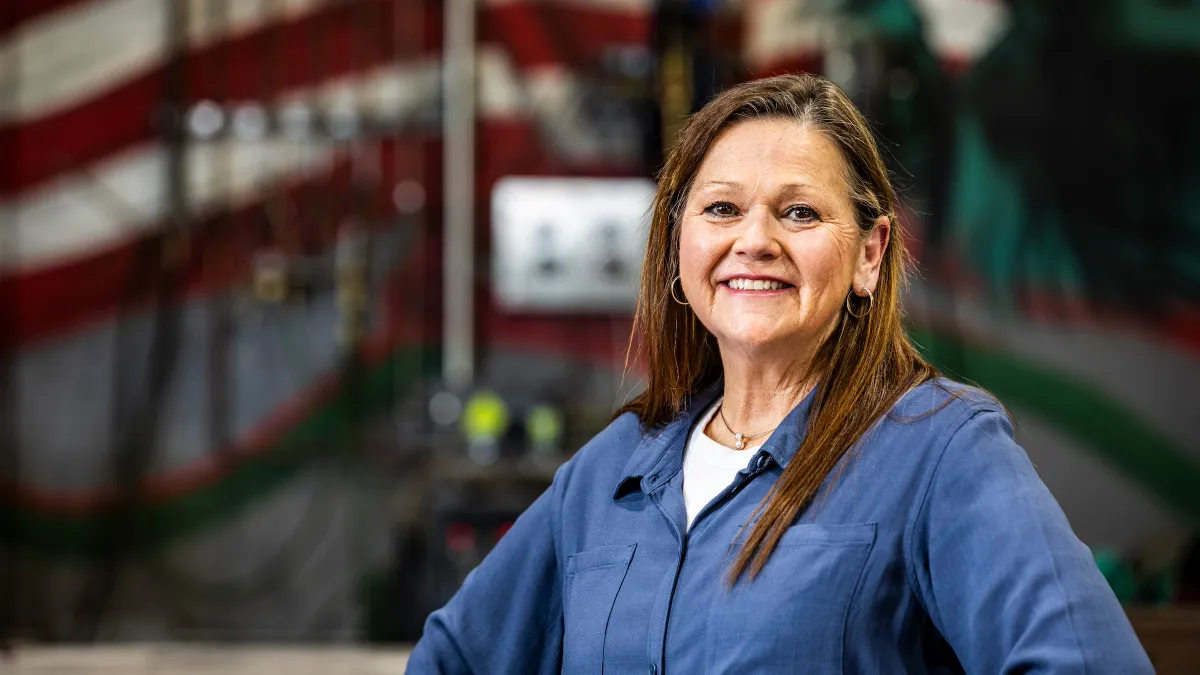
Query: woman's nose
{"points": [[757, 240]]}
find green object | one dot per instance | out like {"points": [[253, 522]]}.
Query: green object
{"points": [[1118, 574], [485, 417], [544, 425]]}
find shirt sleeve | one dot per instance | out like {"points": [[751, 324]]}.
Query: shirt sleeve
{"points": [[507, 617], [999, 571]]}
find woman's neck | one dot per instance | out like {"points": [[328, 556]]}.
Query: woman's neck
{"points": [[758, 395]]}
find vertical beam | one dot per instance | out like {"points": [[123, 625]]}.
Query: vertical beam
{"points": [[219, 371], [458, 255], [175, 107], [10, 451], [675, 73]]}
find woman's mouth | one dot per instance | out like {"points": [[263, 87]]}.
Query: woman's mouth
{"points": [[755, 285]]}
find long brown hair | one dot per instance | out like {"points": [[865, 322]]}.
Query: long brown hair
{"points": [[865, 365]]}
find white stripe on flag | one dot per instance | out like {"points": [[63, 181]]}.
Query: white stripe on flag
{"points": [[123, 197], [79, 52]]}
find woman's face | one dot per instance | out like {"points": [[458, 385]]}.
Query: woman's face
{"points": [[769, 247]]}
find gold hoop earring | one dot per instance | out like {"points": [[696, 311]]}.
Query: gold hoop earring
{"points": [[870, 304], [672, 288]]}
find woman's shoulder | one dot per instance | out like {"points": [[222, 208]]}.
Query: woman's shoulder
{"points": [[957, 423], [622, 434], [609, 451], [936, 415], [945, 401]]}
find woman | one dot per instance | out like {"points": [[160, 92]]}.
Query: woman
{"points": [[796, 491]]}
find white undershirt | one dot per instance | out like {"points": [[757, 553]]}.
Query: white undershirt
{"points": [[709, 467]]}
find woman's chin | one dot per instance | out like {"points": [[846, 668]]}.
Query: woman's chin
{"points": [[758, 339]]}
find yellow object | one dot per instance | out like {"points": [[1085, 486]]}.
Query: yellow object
{"points": [[485, 417]]}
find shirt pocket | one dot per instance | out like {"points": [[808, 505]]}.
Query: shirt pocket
{"points": [[593, 579], [792, 616]]}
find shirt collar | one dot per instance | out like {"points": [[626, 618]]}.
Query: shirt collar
{"points": [[659, 455], [790, 433], [650, 463]]}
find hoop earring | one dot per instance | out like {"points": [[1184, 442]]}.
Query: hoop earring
{"points": [[672, 288], [870, 304]]}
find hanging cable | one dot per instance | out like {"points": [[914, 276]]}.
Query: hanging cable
{"points": [[159, 267]]}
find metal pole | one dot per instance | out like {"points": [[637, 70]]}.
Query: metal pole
{"points": [[458, 255], [10, 452]]}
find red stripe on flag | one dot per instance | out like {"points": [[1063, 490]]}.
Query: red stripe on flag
{"points": [[17, 12], [334, 42]]}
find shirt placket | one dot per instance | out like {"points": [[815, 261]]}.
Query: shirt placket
{"points": [[667, 495], [670, 504]]}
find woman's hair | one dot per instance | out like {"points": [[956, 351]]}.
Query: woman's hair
{"points": [[861, 370]]}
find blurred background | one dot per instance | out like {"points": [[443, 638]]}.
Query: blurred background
{"points": [[303, 301]]}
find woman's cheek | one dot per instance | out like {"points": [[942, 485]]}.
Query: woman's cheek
{"points": [[698, 257], [822, 263]]}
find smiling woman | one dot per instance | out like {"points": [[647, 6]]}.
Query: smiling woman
{"points": [[880, 518]]}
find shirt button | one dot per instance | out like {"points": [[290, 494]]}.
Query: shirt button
{"points": [[653, 668]]}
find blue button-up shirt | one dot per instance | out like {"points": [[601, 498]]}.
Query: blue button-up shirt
{"points": [[932, 547]]}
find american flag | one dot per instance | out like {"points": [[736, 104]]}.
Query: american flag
{"points": [[93, 96]]}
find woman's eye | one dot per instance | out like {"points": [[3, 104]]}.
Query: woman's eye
{"points": [[801, 213], [721, 210]]}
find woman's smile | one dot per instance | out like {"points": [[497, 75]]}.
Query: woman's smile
{"points": [[756, 286]]}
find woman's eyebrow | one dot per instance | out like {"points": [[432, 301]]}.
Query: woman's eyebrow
{"points": [[795, 187], [719, 183], [783, 189]]}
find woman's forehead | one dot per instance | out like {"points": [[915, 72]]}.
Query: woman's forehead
{"points": [[771, 153]]}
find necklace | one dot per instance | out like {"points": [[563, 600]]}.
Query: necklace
{"points": [[739, 438]]}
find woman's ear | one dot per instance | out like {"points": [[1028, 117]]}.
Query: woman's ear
{"points": [[871, 256]]}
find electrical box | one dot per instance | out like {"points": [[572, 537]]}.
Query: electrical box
{"points": [[569, 244]]}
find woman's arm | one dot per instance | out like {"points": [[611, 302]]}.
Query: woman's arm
{"points": [[1000, 572], [507, 617]]}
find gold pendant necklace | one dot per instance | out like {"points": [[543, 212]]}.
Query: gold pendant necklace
{"points": [[740, 438]]}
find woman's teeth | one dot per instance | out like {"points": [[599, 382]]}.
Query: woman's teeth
{"points": [[755, 285]]}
